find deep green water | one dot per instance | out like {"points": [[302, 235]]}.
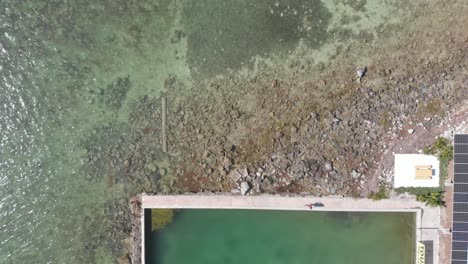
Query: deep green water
{"points": [[284, 237], [73, 73]]}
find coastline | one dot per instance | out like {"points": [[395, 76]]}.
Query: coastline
{"points": [[95, 114], [200, 176]]}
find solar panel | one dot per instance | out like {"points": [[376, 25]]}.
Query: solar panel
{"points": [[461, 149], [460, 207], [460, 168], [459, 236], [460, 187], [460, 198], [459, 255], [460, 246], [461, 139], [460, 178], [460, 217], [460, 226], [461, 158]]}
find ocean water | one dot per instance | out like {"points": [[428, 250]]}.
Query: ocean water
{"points": [[78, 82], [274, 237]]}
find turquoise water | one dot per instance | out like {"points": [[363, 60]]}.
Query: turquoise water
{"points": [[274, 237], [80, 88]]}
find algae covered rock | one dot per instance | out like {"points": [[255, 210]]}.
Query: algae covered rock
{"points": [[160, 218]]}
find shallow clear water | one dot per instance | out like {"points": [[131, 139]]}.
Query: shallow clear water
{"points": [[73, 73], [243, 236]]}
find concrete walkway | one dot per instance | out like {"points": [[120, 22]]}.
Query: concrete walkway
{"points": [[277, 203]]}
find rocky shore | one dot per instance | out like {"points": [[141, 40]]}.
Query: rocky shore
{"points": [[280, 130]]}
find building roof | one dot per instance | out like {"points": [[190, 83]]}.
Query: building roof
{"points": [[416, 170]]}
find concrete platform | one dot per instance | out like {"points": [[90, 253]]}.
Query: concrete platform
{"points": [[405, 170]]}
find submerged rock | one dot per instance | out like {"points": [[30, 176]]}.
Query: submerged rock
{"points": [[361, 72]]}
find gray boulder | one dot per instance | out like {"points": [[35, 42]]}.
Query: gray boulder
{"points": [[235, 175]]}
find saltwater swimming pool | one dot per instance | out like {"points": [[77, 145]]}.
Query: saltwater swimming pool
{"points": [[264, 236]]}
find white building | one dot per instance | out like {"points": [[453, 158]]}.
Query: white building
{"points": [[416, 170]]}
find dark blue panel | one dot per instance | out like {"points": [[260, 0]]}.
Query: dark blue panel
{"points": [[460, 178], [460, 158], [459, 255], [460, 207], [460, 168], [460, 227], [460, 217], [460, 188], [458, 261], [460, 236], [460, 246], [460, 197], [461, 138], [458, 149]]}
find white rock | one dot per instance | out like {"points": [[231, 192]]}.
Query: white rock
{"points": [[235, 191], [411, 131], [244, 188], [328, 166], [360, 72], [336, 120]]}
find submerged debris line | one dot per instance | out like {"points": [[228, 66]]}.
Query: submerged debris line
{"points": [[163, 124]]}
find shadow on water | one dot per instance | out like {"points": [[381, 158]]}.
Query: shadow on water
{"points": [[228, 34], [154, 242], [153, 245], [155, 248]]}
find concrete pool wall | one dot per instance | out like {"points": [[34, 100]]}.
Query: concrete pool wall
{"points": [[427, 218]]}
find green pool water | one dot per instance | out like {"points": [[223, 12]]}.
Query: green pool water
{"points": [[274, 237]]}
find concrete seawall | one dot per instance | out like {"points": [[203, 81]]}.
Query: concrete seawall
{"points": [[276, 203]]}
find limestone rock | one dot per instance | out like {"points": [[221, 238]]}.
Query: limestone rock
{"points": [[354, 174], [235, 191], [244, 188], [243, 172], [361, 71], [235, 175]]}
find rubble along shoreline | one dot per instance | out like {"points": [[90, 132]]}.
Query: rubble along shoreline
{"points": [[282, 132]]}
